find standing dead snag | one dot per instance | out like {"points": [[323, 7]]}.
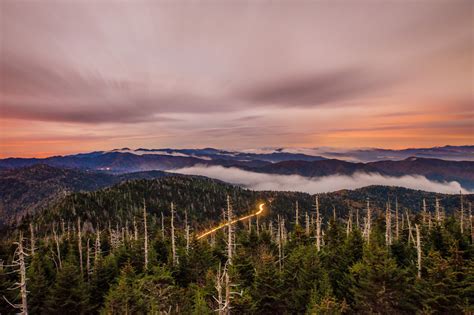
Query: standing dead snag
{"points": [[218, 286], [88, 257], [32, 239], [397, 230], [388, 225], [20, 263], [229, 255], [79, 244], [368, 222], [297, 216], [318, 225], [438, 212], [418, 249], [173, 245], [135, 230], [410, 233], [145, 236], [186, 230], [58, 251]]}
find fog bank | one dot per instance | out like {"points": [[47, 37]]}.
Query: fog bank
{"points": [[261, 181]]}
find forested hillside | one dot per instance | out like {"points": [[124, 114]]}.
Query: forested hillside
{"points": [[135, 248]]}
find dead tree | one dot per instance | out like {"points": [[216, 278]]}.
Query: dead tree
{"points": [[279, 242], [58, 250], [297, 216], [97, 248], [410, 233], [318, 225], [21, 265], [418, 249], [349, 224], [397, 230], [88, 258], [186, 227], [368, 222], [135, 230], [388, 225], [230, 248], [32, 239], [145, 236], [173, 245], [438, 212], [79, 244], [218, 285]]}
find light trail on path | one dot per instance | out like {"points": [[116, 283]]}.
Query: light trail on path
{"points": [[260, 210]]}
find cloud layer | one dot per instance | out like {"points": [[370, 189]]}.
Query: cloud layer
{"points": [[259, 181], [234, 74]]}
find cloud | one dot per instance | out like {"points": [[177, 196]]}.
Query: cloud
{"points": [[316, 89], [259, 181]]}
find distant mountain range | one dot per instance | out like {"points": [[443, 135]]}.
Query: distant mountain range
{"points": [[125, 160]]}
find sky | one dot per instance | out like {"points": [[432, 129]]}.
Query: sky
{"points": [[78, 76]]}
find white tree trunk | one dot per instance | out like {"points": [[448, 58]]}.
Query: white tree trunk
{"points": [[418, 249], [79, 244], [145, 237], [173, 244]]}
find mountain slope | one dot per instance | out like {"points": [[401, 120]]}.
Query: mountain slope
{"points": [[27, 189]]}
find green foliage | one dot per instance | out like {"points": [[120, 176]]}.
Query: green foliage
{"points": [[346, 276]]}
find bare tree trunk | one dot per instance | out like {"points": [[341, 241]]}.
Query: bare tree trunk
{"points": [[279, 243], [318, 225], [438, 212], [250, 225], [368, 222], [58, 250], [186, 231], [418, 248], [229, 255], [79, 244], [173, 245], [297, 215], [145, 236], [32, 239], [23, 291], [256, 226], [357, 219], [135, 230], [97, 248], [218, 286], [397, 230], [388, 225], [349, 224], [410, 233], [88, 258]]}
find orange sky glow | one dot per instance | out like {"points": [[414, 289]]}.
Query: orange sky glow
{"points": [[82, 76]]}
